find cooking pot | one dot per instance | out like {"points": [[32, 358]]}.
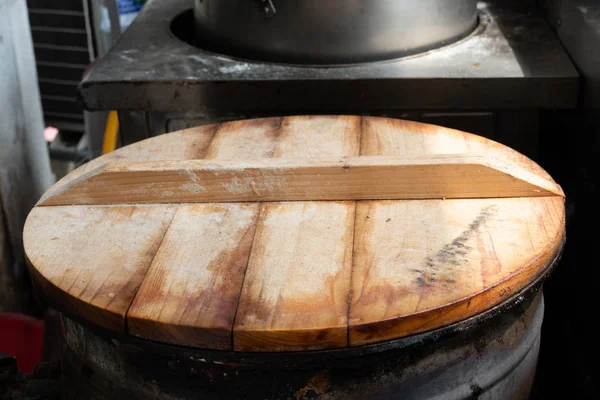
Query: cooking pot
{"points": [[331, 31]]}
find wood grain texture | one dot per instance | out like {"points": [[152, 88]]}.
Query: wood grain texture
{"points": [[91, 260], [237, 140], [295, 294], [191, 291], [268, 276], [302, 179], [422, 264], [296, 297], [104, 247]]}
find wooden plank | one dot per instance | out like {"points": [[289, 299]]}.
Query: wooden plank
{"points": [[346, 178], [254, 138], [420, 265], [191, 291], [91, 260], [295, 137], [317, 136], [295, 294], [396, 137], [296, 297]]}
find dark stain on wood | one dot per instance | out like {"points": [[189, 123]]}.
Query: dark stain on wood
{"points": [[454, 253]]}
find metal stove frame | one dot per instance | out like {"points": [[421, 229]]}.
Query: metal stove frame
{"points": [[510, 67]]}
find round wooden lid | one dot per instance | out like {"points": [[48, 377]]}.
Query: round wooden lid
{"points": [[294, 233]]}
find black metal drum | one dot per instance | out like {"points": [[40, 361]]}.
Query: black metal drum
{"points": [[490, 356]]}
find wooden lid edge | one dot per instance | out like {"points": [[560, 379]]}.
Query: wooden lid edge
{"points": [[396, 328]]}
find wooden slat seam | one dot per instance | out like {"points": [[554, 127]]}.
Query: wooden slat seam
{"points": [[137, 289], [213, 140], [209, 148], [280, 131], [350, 290], [363, 122], [213, 134], [258, 219]]}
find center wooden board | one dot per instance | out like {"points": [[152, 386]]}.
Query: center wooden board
{"points": [[263, 275]]}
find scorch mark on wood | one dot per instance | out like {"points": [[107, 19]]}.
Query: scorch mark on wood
{"points": [[454, 253], [451, 255]]}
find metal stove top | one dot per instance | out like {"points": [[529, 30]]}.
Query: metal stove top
{"points": [[512, 60]]}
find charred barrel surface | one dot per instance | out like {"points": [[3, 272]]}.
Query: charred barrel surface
{"points": [[493, 359]]}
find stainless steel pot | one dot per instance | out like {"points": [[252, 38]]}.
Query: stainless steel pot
{"points": [[331, 31]]}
